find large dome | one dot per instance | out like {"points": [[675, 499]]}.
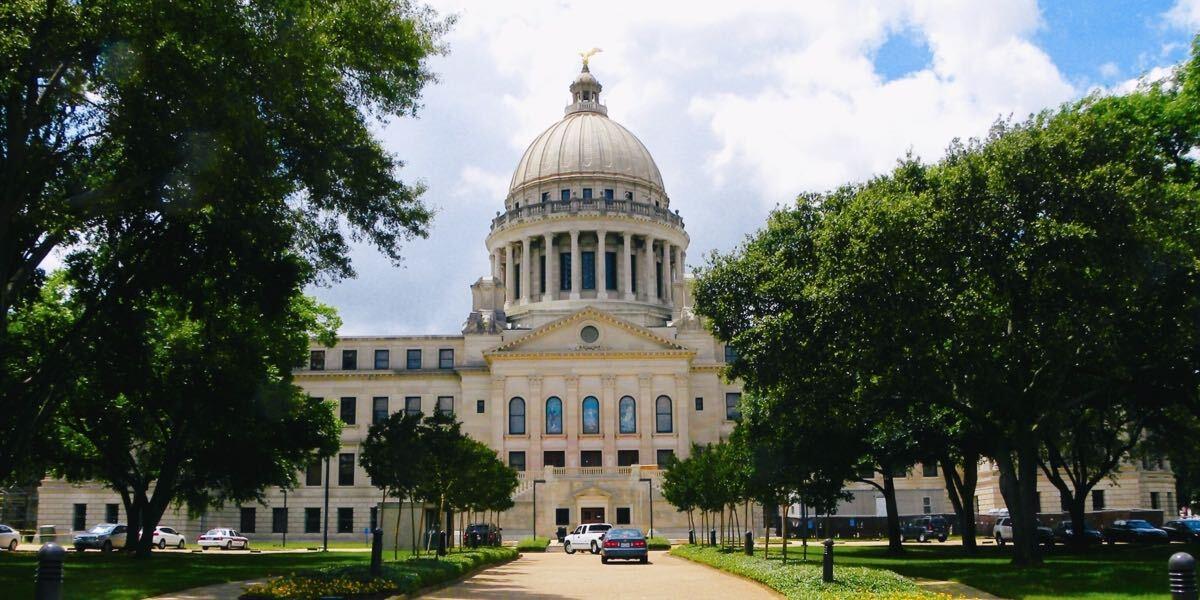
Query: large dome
{"points": [[586, 143]]}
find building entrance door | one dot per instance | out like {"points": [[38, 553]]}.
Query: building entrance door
{"points": [[591, 515]]}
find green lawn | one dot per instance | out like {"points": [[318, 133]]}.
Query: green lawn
{"points": [[1121, 571]]}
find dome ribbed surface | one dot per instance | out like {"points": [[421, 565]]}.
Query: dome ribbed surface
{"points": [[586, 143]]}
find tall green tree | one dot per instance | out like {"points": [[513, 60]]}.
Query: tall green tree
{"points": [[393, 455]]}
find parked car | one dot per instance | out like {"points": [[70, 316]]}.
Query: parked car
{"points": [[624, 544], [481, 534], [1002, 533], [225, 539], [167, 536], [1183, 530], [9, 538], [924, 529], [103, 537], [586, 536], [1064, 534], [1134, 531]]}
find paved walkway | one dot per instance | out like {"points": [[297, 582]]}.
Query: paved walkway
{"points": [[557, 576], [220, 591]]}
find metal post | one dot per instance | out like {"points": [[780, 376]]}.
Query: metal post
{"points": [[325, 529], [49, 585], [827, 562], [377, 552], [749, 543], [692, 536], [285, 518], [1181, 571], [712, 536]]}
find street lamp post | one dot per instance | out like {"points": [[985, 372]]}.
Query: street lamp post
{"points": [[325, 529], [650, 489], [285, 518], [533, 513]]}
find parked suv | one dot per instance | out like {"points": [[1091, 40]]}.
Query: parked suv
{"points": [[481, 534], [1134, 531], [924, 529], [103, 537], [1002, 533], [586, 536], [1183, 530]]}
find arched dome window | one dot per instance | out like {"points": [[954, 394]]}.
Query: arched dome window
{"points": [[516, 416], [591, 415], [662, 415], [628, 414], [554, 423]]}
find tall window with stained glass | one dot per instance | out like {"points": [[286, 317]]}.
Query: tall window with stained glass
{"points": [[591, 415], [627, 409], [554, 424]]}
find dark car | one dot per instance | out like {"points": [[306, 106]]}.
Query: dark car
{"points": [[1134, 531], [1184, 530], [481, 534], [624, 544], [924, 529], [1064, 533]]}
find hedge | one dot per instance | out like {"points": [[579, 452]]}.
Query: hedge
{"points": [[535, 544], [658, 543], [399, 577], [803, 580]]}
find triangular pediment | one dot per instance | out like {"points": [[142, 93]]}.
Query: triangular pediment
{"points": [[567, 336]]}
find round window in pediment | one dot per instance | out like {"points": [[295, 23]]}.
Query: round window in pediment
{"points": [[589, 334]]}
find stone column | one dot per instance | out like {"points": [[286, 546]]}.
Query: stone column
{"points": [[682, 409], [572, 412], [576, 266], [645, 418], [648, 271], [601, 266], [551, 272], [499, 410], [526, 269], [509, 275], [535, 419], [668, 271], [608, 418], [627, 265], [496, 263]]}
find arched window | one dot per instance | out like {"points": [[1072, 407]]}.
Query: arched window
{"points": [[628, 414], [553, 415], [662, 415], [591, 415], [516, 416]]}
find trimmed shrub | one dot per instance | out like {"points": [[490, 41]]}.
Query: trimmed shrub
{"points": [[803, 580], [535, 544], [658, 543]]}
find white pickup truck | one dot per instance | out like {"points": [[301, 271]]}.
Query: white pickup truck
{"points": [[586, 537]]}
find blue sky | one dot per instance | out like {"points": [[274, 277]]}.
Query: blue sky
{"points": [[743, 104]]}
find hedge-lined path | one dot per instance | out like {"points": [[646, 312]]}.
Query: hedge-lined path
{"points": [[555, 576], [220, 591]]}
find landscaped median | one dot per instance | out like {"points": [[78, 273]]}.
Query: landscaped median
{"points": [[399, 577], [803, 580], [536, 544]]}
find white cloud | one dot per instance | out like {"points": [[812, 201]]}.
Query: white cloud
{"points": [[1109, 70], [1185, 14]]}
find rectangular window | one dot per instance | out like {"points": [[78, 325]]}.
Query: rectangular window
{"points": [[1097, 499], [316, 360], [1154, 500], [379, 409], [733, 412], [278, 520], [589, 269], [587, 193], [79, 519], [608, 194], [249, 517], [699, 403], [658, 279], [562, 516], [112, 513], [345, 469], [374, 518], [900, 471], [446, 358], [312, 475], [413, 359], [976, 504], [610, 270], [564, 271], [479, 404], [1171, 503], [633, 281], [542, 274], [590, 458], [412, 405], [516, 460], [730, 354], [622, 515], [627, 458], [554, 458], [517, 282], [664, 456], [445, 405], [929, 470], [383, 359], [347, 409], [564, 195], [926, 505], [345, 519], [545, 196], [349, 360], [312, 520]]}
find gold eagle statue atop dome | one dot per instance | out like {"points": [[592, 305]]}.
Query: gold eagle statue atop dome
{"points": [[587, 54]]}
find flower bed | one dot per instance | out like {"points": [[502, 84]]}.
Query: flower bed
{"points": [[400, 577], [803, 580], [536, 544]]}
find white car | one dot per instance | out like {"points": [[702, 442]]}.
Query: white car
{"points": [[225, 539], [166, 536], [9, 538], [586, 536]]}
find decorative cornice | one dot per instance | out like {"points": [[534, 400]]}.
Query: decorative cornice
{"points": [[371, 375]]}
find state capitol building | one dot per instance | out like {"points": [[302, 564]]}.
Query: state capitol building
{"points": [[581, 364]]}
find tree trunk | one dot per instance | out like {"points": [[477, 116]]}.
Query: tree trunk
{"points": [[785, 524], [1077, 506], [1018, 480], [893, 514], [961, 490]]}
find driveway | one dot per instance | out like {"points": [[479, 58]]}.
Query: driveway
{"points": [[557, 575]]}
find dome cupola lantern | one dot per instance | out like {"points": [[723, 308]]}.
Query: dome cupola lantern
{"points": [[585, 90]]}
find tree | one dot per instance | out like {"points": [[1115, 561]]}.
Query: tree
{"points": [[392, 456], [121, 113]]}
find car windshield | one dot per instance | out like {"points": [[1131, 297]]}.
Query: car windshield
{"points": [[103, 529], [624, 534], [1139, 524]]}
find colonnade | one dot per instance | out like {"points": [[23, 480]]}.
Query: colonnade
{"points": [[531, 270]]}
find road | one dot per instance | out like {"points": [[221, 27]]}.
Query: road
{"points": [[556, 576]]}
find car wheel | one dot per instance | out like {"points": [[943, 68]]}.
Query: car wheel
{"points": [[202, 548], [595, 548], [999, 540], [902, 538], [107, 547], [644, 560], [12, 546], [246, 546], [229, 545], [567, 547], [941, 539], [921, 538], [604, 560], [180, 544], [162, 544]]}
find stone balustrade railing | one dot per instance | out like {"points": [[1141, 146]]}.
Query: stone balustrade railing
{"points": [[585, 206]]}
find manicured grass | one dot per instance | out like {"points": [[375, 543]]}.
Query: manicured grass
{"points": [[535, 544], [658, 543], [803, 580]]}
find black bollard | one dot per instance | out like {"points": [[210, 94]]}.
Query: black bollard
{"points": [[827, 562], [377, 552], [49, 584], [692, 536], [441, 543], [749, 543], [712, 537], [1181, 569]]}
